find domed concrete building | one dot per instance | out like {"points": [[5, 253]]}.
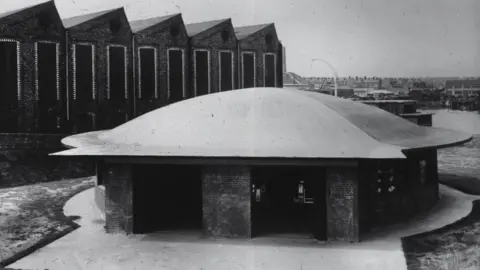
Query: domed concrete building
{"points": [[262, 161]]}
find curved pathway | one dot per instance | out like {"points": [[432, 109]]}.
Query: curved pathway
{"points": [[90, 248]]}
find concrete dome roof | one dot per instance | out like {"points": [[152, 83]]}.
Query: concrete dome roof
{"points": [[262, 123]]}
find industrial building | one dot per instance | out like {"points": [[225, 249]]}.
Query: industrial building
{"points": [[161, 49]]}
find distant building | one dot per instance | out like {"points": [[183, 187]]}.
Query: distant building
{"points": [[465, 87]]}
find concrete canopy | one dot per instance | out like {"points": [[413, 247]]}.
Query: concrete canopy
{"points": [[263, 123]]}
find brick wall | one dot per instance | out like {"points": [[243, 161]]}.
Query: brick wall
{"points": [[159, 36], [212, 40], [425, 192], [257, 44], [97, 32], [226, 201], [24, 160], [117, 180], [25, 27], [342, 204], [410, 196]]}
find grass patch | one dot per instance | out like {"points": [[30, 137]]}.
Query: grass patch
{"points": [[32, 216]]}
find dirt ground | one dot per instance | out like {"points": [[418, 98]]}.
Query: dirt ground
{"points": [[30, 214]]}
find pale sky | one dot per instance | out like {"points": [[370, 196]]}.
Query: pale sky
{"points": [[357, 37]]}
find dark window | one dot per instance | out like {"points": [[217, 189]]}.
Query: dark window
{"points": [[268, 39], [84, 85], [174, 31], [202, 78], [248, 70], [147, 74], [116, 73], [175, 75], [115, 25], [225, 35], [47, 86], [226, 78], [269, 70], [84, 120], [9, 90]]}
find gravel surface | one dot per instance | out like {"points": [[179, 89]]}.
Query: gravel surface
{"points": [[30, 214]]}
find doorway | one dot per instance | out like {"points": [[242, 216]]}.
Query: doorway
{"points": [[269, 70], [226, 71], [167, 198], [288, 201], [9, 80], [175, 75], [202, 72], [48, 92], [248, 69]]}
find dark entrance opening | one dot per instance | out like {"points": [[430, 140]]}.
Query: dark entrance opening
{"points": [[202, 73], [148, 74], [84, 88], [226, 69], [117, 83], [269, 70], [167, 197], [175, 75], [288, 200], [47, 86], [248, 65], [9, 88]]}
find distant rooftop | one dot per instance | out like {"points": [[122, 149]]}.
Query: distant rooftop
{"points": [[248, 30], [140, 25], [459, 84], [11, 12], [194, 29], [74, 21]]}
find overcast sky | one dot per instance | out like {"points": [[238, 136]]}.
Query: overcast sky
{"points": [[357, 37]]}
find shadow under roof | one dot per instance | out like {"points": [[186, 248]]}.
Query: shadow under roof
{"points": [[264, 123], [194, 29]]}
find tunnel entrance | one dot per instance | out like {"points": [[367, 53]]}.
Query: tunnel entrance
{"points": [[288, 201], [166, 198]]}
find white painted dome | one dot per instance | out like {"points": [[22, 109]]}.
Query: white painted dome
{"points": [[264, 122]]}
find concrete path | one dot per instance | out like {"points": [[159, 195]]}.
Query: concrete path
{"points": [[90, 248]]}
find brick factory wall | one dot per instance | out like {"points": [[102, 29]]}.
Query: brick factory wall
{"points": [[212, 40], [226, 201], [98, 32], [24, 160], [256, 43], [27, 28], [119, 197], [342, 204], [161, 38]]}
